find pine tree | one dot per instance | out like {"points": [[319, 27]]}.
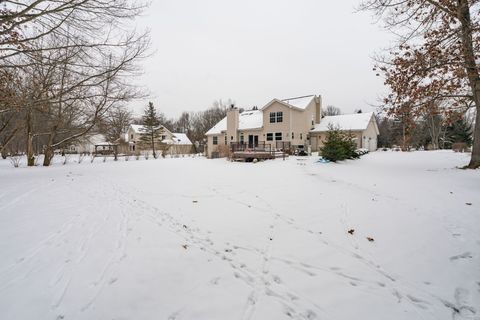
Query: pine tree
{"points": [[459, 131], [150, 130], [339, 145]]}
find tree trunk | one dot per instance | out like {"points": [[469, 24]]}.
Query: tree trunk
{"points": [[29, 151], [7, 141], [473, 75], [475, 160], [47, 160], [153, 147], [48, 156]]}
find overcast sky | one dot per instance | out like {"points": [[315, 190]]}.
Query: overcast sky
{"points": [[253, 51]]}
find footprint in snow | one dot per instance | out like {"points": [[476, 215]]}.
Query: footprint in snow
{"points": [[418, 302], [465, 255]]}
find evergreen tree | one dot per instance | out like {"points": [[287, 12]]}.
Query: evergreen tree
{"points": [[458, 131], [339, 145], [150, 130]]}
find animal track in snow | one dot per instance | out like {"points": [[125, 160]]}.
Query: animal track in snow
{"points": [[465, 255]]}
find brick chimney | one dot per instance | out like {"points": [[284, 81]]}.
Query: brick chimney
{"points": [[233, 116]]}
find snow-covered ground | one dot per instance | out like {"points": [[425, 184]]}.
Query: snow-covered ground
{"points": [[192, 238]]}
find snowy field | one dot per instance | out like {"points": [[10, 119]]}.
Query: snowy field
{"points": [[192, 238]]}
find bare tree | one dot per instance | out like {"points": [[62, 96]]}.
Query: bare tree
{"points": [[25, 22], [203, 121], [115, 123], [71, 65], [183, 124], [332, 111]]}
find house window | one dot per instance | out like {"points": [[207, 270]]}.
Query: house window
{"points": [[163, 137], [278, 136], [225, 140], [215, 140], [131, 136], [280, 116], [293, 136], [276, 117], [272, 117], [270, 136], [301, 136], [241, 138]]}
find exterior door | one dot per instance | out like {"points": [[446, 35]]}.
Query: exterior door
{"points": [[252, 141]]}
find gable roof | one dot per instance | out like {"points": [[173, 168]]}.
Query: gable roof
{"points": [[352, 122], [299, 103], [138, 128], [247, 120], [181, 139], [253, 119]]}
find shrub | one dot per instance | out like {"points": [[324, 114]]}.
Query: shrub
{"points": [[15, 160], [339, 145]]}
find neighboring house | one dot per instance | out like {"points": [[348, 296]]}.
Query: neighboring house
{"points": [[362, 126], [87, 144], [178, 143], [280, 124]]}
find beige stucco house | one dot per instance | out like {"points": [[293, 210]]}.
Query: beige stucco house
{"points": [[178, 143], [294, 122]]}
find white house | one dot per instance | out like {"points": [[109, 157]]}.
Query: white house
{"points": [[178, 143]]}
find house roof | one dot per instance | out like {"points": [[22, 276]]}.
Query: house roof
{"points": [[181, 139], [247, 120], [352, 122], [253, 119], [138, 128], [300, 102]]}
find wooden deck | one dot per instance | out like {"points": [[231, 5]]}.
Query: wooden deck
{"points": [[250, 155], [260, 151]]}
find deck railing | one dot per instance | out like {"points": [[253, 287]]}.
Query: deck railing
{"points": [[270, 147], [250, 147]]}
